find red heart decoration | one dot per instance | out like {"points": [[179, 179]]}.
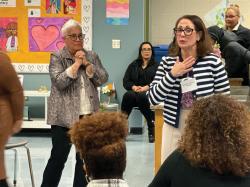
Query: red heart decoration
{"points": [[60, 45], [39, 20], [44, 36]]}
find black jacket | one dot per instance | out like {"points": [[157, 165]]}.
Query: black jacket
{"points": [[176, 171], [237, 57], [132, 75], [243, 34]]}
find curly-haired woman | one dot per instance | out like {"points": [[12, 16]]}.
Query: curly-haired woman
{"points": [[214, 149], [100, 140]]}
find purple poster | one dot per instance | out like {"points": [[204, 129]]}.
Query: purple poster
{"points": [[44, 34]]}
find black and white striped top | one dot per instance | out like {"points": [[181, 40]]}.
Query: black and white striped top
{"points": [[209, 73]]}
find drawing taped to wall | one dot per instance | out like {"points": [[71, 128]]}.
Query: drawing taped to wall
{"points": [[53, 6], [69, 6], [44, 34], [8, 34]]}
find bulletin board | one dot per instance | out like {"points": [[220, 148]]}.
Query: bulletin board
{"points": [[35, 49]]}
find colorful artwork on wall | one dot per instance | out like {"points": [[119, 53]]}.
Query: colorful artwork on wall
{"points": [[53, 6], [69, 6], [8, 34], [117, 12], [44, 34], [215, 16]]}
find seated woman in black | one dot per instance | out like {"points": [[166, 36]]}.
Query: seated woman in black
{"points": [[214, 150], [137, 78]]}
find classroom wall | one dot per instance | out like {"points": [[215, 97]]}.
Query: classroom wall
{"points": [[164, 13], [131, 35], [114, 60]]}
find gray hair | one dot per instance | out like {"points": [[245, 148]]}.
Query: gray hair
{"points": [[68, 25]]}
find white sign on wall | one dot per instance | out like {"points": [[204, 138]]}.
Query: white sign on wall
{"points": [[7, 3]]}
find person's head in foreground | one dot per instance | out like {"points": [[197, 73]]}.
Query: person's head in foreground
{"points": [[214, 149], [217, 136], [100, 139]]}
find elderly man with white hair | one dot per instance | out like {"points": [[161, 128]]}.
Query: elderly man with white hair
{"points": [[75, 75]]}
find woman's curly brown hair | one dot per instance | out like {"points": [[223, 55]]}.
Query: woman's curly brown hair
{"points": [[217, 135], [100, 139]]}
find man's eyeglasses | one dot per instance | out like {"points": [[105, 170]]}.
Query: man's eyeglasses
{"points": [[74, 37], [229, 16], [146, 49], [187, 31]]}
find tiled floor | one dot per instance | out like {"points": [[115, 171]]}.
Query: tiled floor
{"points": [[139, 170]]}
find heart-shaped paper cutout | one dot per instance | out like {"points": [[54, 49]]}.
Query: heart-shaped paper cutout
{"points": [[39, 20], [40, 68], [31, 67], [86, 19], [60, 45], [86, 7], [21, 67], [85, 28], [86, 40], [44, 37]]}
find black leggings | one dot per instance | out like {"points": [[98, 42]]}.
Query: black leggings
{"points": [[59, 154], [133, 99], [3, 183]]}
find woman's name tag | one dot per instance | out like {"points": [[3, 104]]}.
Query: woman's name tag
{"points": [[188, 84]]}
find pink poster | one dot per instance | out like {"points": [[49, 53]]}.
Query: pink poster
{"points": [[117, 12], [8, 34], [45, 35]]}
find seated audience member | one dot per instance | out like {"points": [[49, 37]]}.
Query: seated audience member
{"points": [[237, 57], [100, 140], [11, 108], [232, 24], [137, 78], [214, 149]]}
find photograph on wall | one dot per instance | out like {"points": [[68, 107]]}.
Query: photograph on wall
{"points": [[69, 6], [7, 3], [53, 6], [45, 35], [117, 12], [8, 34]]}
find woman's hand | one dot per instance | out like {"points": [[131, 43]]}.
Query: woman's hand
{"points": [[135, 88], [80, 57], [140, 88], [181, 68]]}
